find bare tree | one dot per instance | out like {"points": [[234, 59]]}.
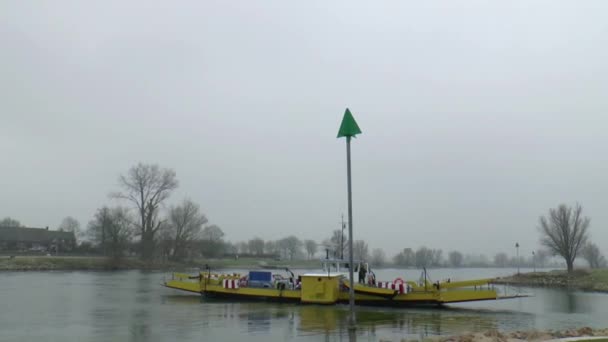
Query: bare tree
{"points": [[409, 256], [256, 246], [477, 260], [120, 232], [378, 257], [339, 242], [271, 247], [242, 247], [406, 258], [455, 258], [424, 257], [9, 222], [70, 224], [437, 257], [564, 232], [185, 224], [164, 241], [360, 250], [311, 248], [147, 187], [212, 241], [592, 254], [290, 246], [230, 248], [213, 233], [501, 259], [112, 229], [99, 226], [327, 247]]}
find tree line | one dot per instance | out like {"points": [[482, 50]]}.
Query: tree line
{"points": [[182, 231]]}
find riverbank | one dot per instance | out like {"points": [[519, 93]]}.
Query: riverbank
{"points": [[76, 263], [581, 334], [96, 263], [584, 280]]}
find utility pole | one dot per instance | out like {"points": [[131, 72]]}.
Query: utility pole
{"points": [[517, 256]]}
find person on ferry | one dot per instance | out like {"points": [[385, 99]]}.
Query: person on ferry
{"points": [[371, 278], [362, 273]]}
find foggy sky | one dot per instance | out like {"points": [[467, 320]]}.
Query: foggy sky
{"points": [[477, 116]]}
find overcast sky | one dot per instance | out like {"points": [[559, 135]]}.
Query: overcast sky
{"points": [[477, 116]]}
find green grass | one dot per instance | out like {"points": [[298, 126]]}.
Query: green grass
{"points": [[592, 280], [599, 275], [582, 279]]}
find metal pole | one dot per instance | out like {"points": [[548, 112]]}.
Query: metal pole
{"points": [[534, 261], [517, 256], [342, 239], [351, 292]]}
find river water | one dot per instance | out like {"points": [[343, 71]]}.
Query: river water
{"points": [[133, 306]]}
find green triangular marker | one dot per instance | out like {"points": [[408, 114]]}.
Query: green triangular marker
{"points": [[349, 127]]}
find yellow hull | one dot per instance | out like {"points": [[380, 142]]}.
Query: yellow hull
{"points": [[326, 290], [361, 289]]}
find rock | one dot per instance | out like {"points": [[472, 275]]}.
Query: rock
{"points": [[585, 331]]}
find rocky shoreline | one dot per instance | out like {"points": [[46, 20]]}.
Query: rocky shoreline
{"points": [[583, 280], [516, 336]]}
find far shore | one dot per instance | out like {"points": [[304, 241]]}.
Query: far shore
{"points": [[581, 279], [99, 263], [585, 280]]}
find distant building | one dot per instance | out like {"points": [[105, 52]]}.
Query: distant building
{"points": [[35, 240]]}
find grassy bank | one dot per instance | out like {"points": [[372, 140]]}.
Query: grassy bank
{"points": [[67, 263], [585, 280], [94, 263]]}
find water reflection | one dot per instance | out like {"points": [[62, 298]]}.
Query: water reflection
{"points": [[410, 322], [180, 299], [321, 320], [138, 326], [258, 321], [568, 301], [372, 323]]}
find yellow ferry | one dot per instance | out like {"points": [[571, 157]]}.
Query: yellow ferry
{"points": [[331, 286]]}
